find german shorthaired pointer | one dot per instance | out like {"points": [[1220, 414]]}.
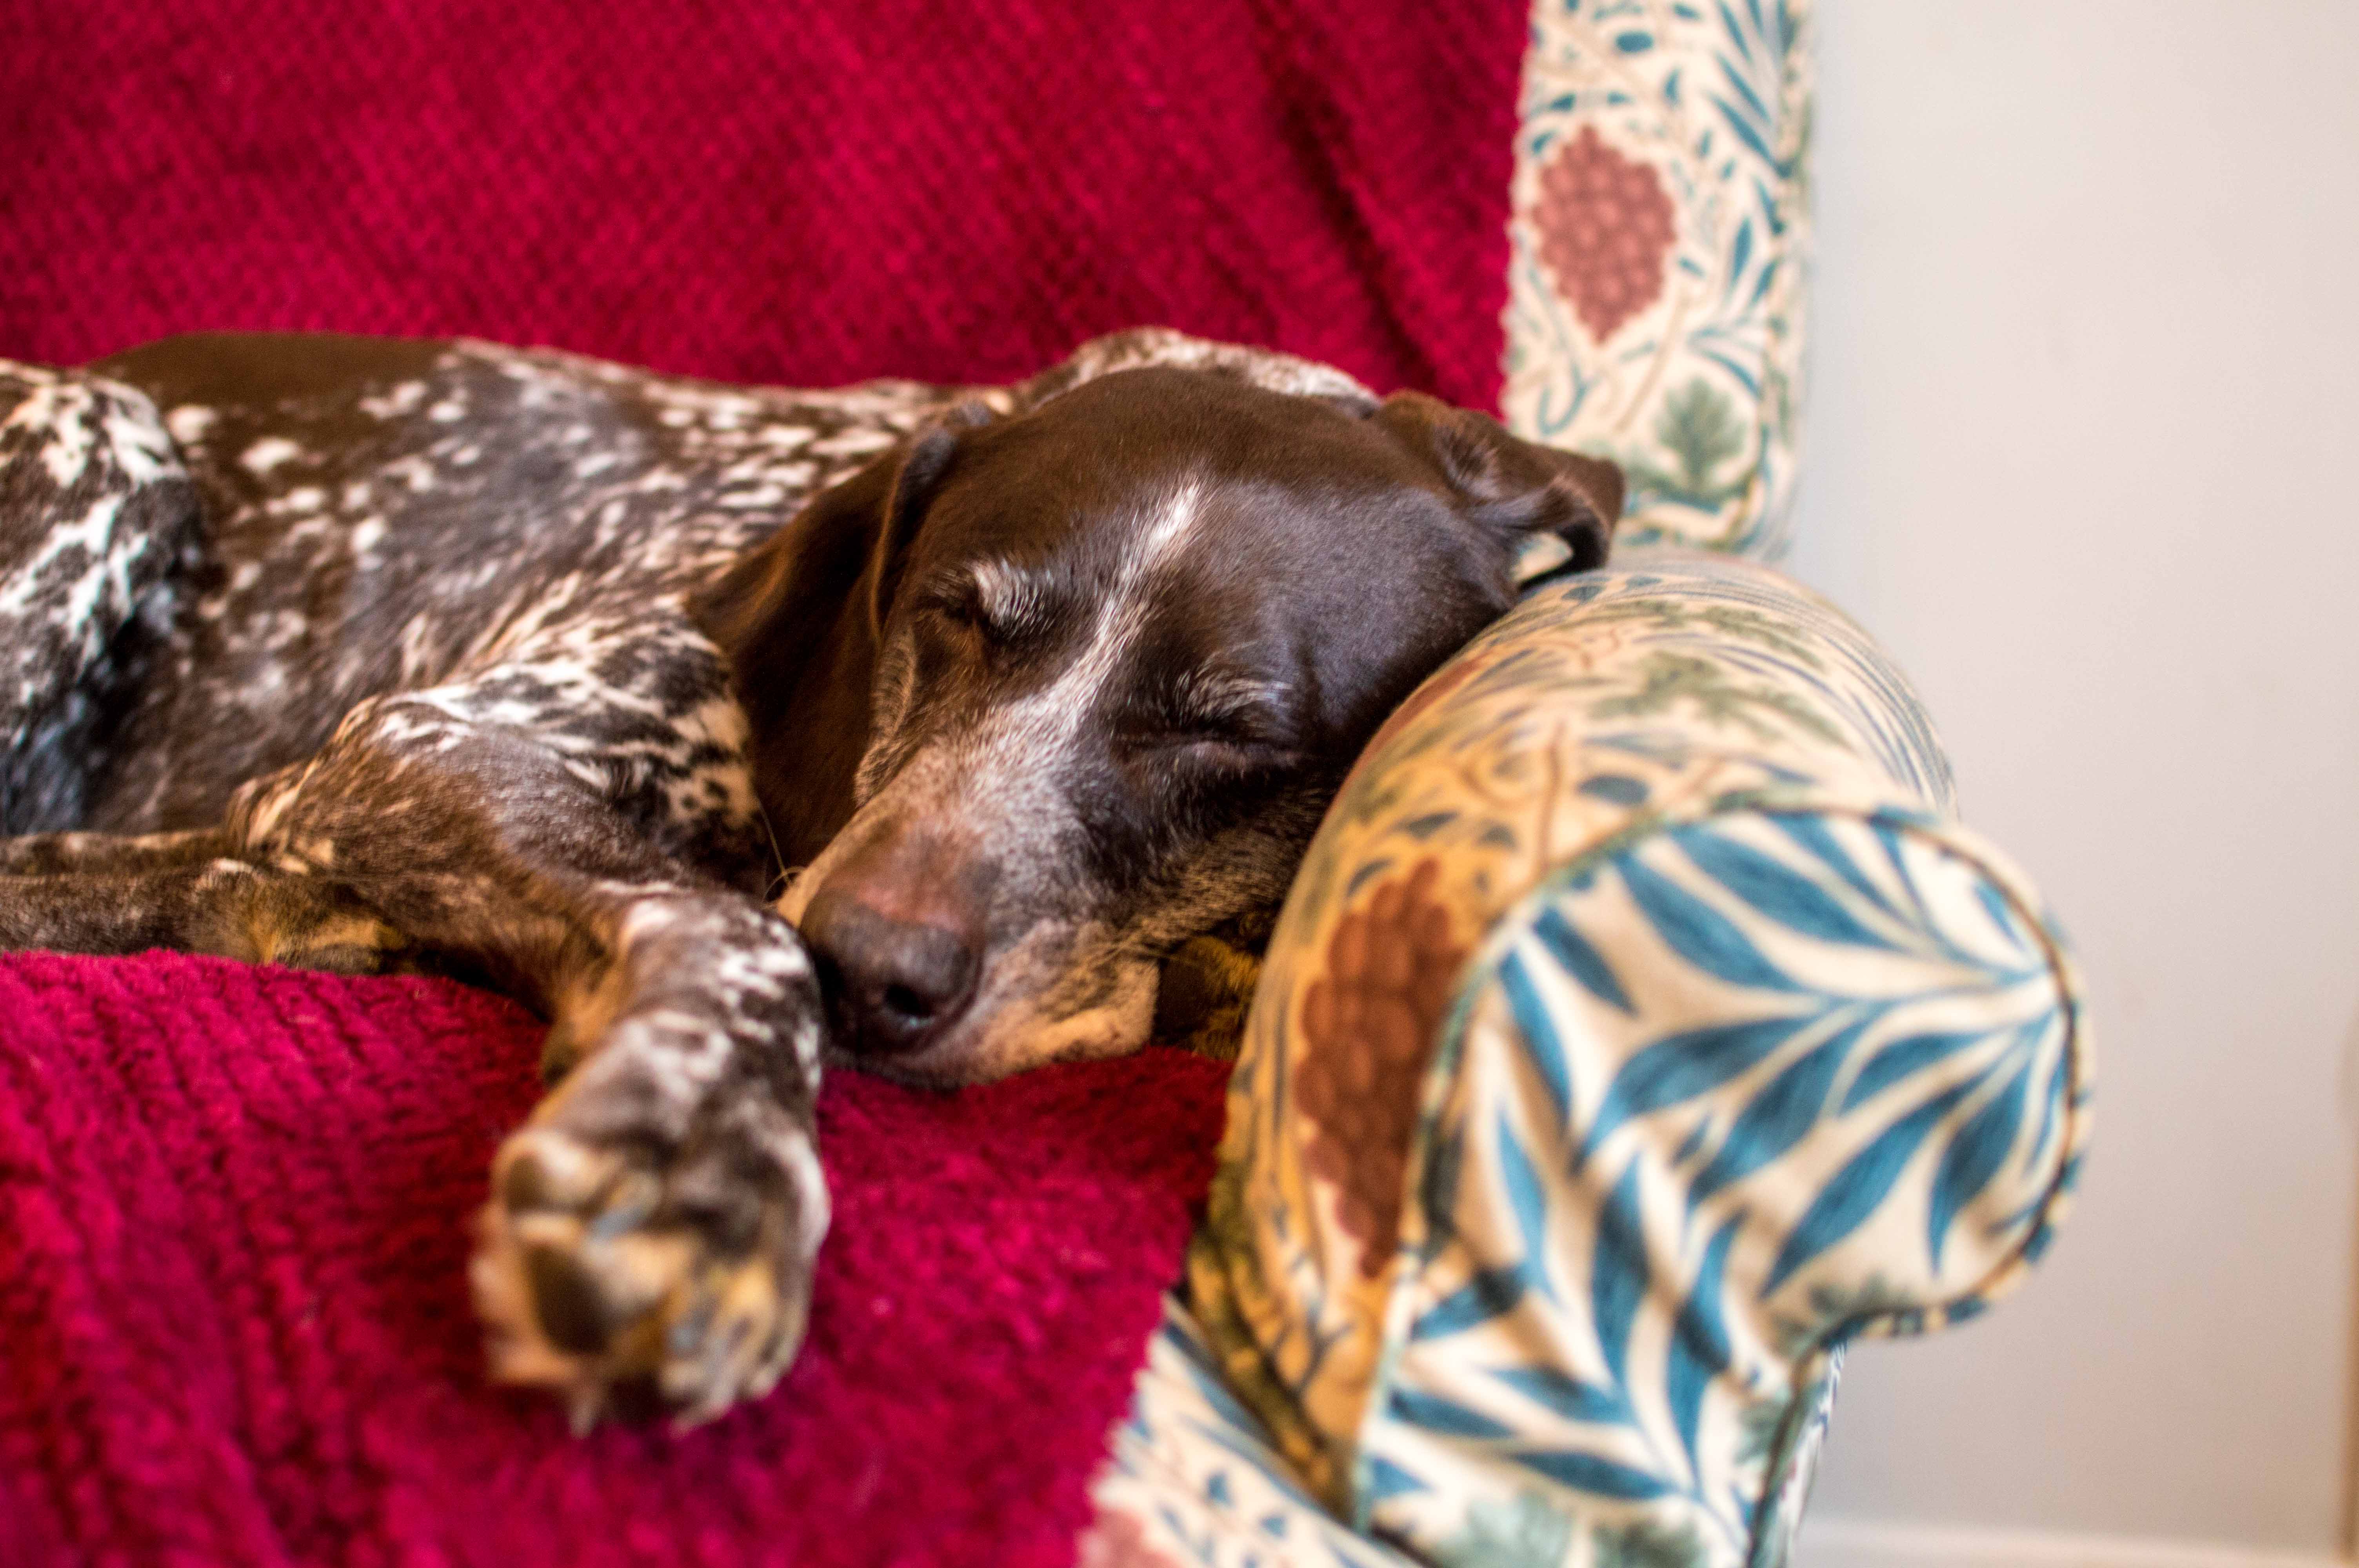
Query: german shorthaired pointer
{"points": [[595, 685]]}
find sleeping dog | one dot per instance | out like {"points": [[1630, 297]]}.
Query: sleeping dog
{"points": [[733, 729]]}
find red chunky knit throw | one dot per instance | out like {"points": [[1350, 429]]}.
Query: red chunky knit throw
{"points": [[233, 1326], [234, 1208], [805, 193]]}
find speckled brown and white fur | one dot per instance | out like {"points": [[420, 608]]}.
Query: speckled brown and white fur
{"points": [[363, 653]]}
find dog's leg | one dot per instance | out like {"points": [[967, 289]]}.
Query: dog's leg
{"points": [[109, 854], [653, 1225], [101, 892], [651, 1229], [224, 907]]}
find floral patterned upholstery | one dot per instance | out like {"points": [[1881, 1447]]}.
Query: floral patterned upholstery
{"points": [[1659, 233], [1642, 1026]]}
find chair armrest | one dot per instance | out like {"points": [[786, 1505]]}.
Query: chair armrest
{"points": [[1641, 1027]]}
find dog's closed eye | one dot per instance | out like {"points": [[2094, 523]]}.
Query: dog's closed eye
{"points": [[956, 622], [1223, 717]]}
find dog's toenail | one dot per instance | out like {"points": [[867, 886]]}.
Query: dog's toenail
{"points": [[525, 1184], [566, 1299], [548, 1173], [559, 1052]]}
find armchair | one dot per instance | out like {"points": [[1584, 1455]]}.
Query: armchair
{"points": [[1642, 1026]]}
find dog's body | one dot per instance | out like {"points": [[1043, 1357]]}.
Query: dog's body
{"points": [[363, 653]]}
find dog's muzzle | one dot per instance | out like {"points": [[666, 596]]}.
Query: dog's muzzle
{"points": [[892, 985], [899, 950]]}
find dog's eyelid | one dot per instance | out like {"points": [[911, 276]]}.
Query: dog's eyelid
{"points": [[1217, 698], [1006, 595], [954, 610], [1254, 720], [956, 599], [1233, 711], [1226, 752]]}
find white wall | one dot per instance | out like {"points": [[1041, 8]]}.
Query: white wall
{"points": [[2083, 449]]}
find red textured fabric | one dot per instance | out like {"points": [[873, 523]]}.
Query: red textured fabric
{"points": [[807, 193], [233, 1219]]}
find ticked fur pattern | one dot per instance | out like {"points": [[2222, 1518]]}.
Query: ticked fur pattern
{"points": [[394, 667]]}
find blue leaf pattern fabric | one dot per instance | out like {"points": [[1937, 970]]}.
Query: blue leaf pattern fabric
{"points": [[1618, 1277], [1583, 1471], [1776, 1119], [1579, 958], [1973, 1157], [1698, 1348], [1540, 1034], [1192, 1478], [1525, 1192], [1858, 1189], [1675, 1069], [1789, 897], [1566, 1395], [1754, 1052], [1710, 941]]}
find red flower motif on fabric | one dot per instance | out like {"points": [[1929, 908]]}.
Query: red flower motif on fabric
{"points": [[1369, 1025], [1606, 232]]}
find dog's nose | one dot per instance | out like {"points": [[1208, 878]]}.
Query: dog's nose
{"points": [[891, 984]]}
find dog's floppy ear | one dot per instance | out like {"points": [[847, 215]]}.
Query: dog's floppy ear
{"points": [[1511, 487], [800, 618], [794, 581]]}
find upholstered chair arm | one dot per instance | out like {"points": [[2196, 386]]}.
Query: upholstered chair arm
{"points": [[1642, 1027]]}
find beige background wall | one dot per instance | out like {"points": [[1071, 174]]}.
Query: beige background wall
{"points": [[2083, 450]]}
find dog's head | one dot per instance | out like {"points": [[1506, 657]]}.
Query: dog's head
{"points": [[1036, 699]]}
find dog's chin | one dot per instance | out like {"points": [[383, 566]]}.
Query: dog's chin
{"points": [[1023, 1033]]}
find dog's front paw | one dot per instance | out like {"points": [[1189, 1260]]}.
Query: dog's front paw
{"points": [[646, 1247]]}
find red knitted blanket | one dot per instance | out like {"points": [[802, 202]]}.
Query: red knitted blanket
{"points": [[804, 194], [233, 1203], [234, 1210]]}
